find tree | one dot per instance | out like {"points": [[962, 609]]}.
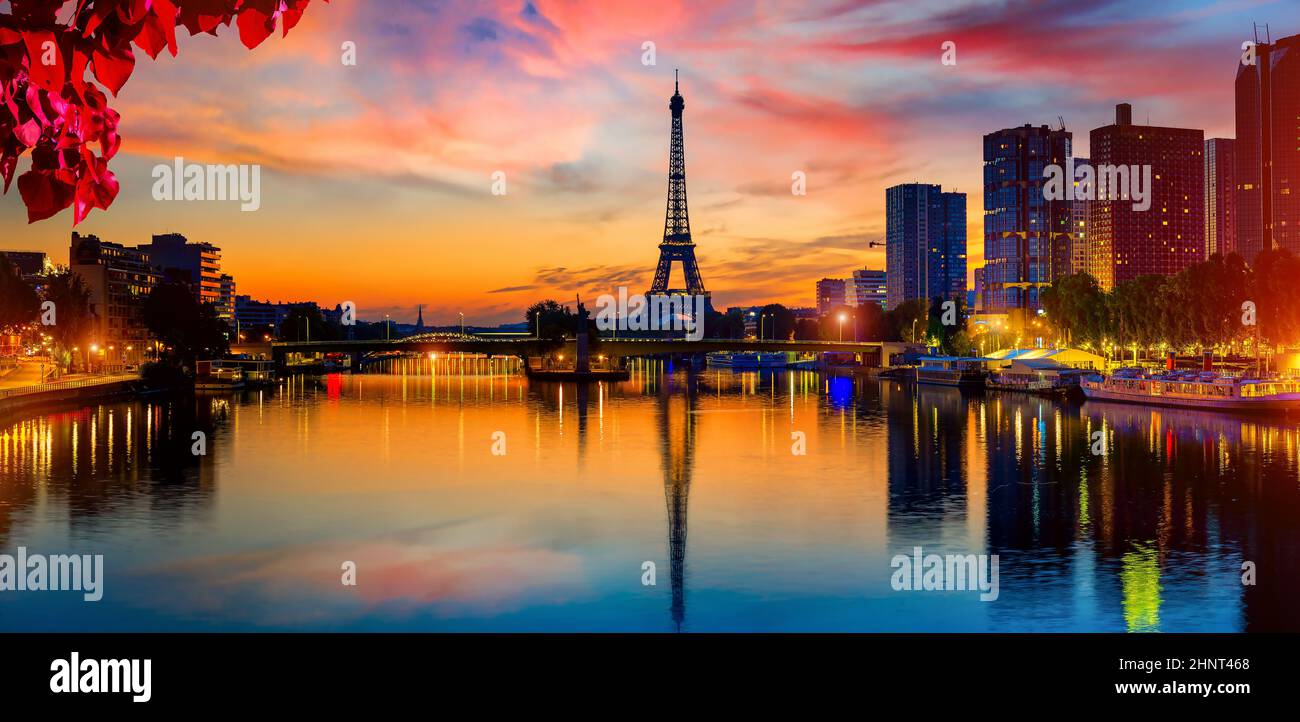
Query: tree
{"points": [[728, 325], [950, 338], [549, 320], [908, 321], [190, 330], [861, 323], [18, 301], [48, 106], [1076, 308], [1273, 290], [1134, 312], [73, 319], [779, 322], [305, 323]]}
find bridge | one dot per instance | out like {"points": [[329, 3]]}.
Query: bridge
{"points": [[524, 347]]}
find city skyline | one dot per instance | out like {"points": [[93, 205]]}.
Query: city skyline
{"points": [[586, 174]]}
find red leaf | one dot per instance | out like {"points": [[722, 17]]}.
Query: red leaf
{"points": [[8, 164], [43, 195], [113, 69], [254, 27], [40, 48], [28, 133]]}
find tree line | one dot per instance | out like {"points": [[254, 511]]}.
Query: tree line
{"points": [[1221, 304]]}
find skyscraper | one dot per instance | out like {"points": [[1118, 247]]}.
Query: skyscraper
{"points": [[925, 243], [1026, 237], [1268, 148], [830, 295], [1220, 196], [1169, 235], [1079, 256]]}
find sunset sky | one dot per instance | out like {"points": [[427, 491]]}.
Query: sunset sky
{"points": [[376, 178]]}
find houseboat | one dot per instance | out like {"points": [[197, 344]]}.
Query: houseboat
{"points": [[747, 361], [1036, 376], [966, 372], [1196, 389], [217, 376]]}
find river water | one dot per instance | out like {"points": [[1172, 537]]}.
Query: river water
{"points": [[468, 498]]}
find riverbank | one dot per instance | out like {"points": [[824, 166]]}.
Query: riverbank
{"points": [[83, 389]]}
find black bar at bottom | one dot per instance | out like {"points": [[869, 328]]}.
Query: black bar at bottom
{"points": [[202, 671]]}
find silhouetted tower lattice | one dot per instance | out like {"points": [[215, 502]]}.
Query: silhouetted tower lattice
{"points": [[677, 244], [677, 450]]}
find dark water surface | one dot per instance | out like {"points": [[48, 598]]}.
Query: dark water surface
{"points": [[693, 472]]}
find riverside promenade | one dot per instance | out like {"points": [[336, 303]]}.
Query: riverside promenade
{"points": [[20, 387]]}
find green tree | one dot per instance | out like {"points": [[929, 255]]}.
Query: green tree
{"points": [[1273, 289], [908, 321], [1076, 308], [951, 338]]}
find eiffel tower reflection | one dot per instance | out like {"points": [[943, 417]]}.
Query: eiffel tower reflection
{"points": [[677, 457]]}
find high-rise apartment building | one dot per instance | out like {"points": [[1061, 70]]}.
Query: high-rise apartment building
{"points": [[1027, 237], [925, 243], [1220, 196], [1164, 233], [867, 286], [830, 295], [1268, 148]]}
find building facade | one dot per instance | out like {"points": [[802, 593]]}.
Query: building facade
{"points": [[925, 243], [867, 286], [1169, 235], [120, 280], [226, 299], [1220, 196], [1079, 251], [1267, 95], [830, 295], [196, 264], [1027, 237]]}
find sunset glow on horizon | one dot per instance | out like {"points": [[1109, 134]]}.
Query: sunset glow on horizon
{"points": [[376, 179]]}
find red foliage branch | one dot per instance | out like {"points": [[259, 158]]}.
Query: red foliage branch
{"points": [[48, 105]]}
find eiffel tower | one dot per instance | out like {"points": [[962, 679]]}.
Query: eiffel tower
{"points": [[677, 244]]}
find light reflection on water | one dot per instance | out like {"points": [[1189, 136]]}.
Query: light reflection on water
{"points": [[694, 472]]}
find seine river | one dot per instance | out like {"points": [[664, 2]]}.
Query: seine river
{"points": [[468, 498]]}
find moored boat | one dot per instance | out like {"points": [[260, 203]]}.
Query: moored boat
{"points": [[1196, 389], [214, 376], [747, 361], [1036, 376], [952, 371]]}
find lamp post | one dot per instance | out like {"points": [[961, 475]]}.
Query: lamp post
{"points": [[842, 327]]}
